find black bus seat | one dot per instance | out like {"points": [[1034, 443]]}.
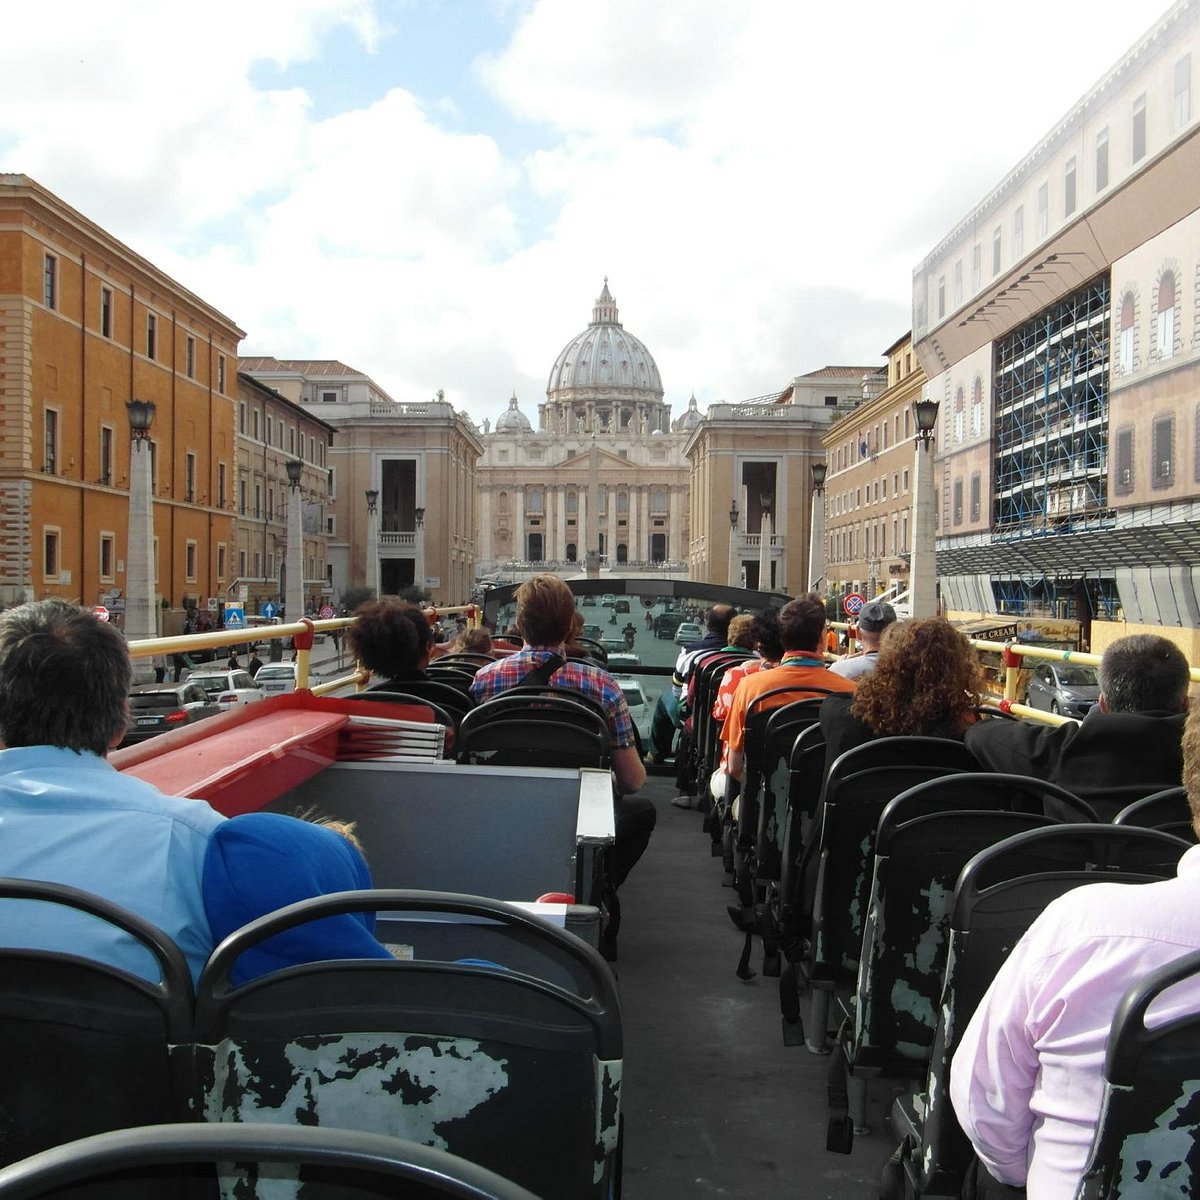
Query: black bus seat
{"points": [[358, 1164], [999, 893], [858, 786], [1167, 810], [86, 1047], [496, 1065], [1145, 1143]]}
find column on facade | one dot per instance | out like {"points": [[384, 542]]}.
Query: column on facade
{"points": [[675, 546], [518, 509], [632, 536], [559, 550], [486, 549], [581, 525]]}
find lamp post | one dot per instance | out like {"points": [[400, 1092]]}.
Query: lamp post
{"points": [[419, 565], [816, 540], [733, 558], [373, 540], [293, 600], [141, 609], [923, 573]]}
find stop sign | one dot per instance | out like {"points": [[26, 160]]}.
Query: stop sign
{"points": [[100, 612]]}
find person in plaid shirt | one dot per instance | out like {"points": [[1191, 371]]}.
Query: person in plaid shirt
{"points": [[545, 611]]}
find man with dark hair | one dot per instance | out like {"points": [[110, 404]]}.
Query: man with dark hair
{"points": [[1028, 1076], [1129, 741], [545, 612], [873, 618], [802, 634], [68, 816]]}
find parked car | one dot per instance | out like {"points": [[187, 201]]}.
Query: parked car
{"points": [[274, 679], [1065, 688], [226, 687], [665, 624], [621, 606], [156, 708], [607, 600], [614, 644], [587, 602], [688, 631], [594, 632]]}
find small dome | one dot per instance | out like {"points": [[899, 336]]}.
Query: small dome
{"points": [[690, 419], [514, 420]]}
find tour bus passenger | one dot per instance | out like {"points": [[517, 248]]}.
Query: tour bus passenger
{"points": [[393, 640], [1130, 741], [926, 682], [260, 862], [1027, 1078], [474, 641], [69, 816], [802, 633], [545, 610], [873, 618]]}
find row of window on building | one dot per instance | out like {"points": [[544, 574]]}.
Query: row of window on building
{"points": [[868, 540], [874, 492]]}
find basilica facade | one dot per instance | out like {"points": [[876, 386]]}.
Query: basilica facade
{"points": [[604, 469]]}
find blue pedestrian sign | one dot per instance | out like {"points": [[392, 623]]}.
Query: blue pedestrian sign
{"points": [[235, 616], [268, 610]]}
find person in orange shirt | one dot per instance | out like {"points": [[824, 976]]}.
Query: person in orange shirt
{"points": [[802, 633]]}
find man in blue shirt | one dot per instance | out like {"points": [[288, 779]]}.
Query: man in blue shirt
{"points": [[68, 816]]}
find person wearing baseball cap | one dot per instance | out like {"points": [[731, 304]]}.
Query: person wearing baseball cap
{"points": [[873, 618]]}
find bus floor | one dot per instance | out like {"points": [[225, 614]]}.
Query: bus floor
{"points": [[714, 1103]]}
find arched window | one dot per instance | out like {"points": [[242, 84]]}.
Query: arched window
{"points": [[571, 553], [535, 548], [533, 500], [1125, 337], [572, 503], [658, 501], [502, 503], [622, 552], [1165, 339], [959, 415], [977, 407], [622, 503]]}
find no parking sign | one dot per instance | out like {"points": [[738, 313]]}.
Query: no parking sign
{"points": [[852, 604]]}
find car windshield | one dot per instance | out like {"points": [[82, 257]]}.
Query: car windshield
{"points": [[1077, 677], [275, 672], [212, 684]]}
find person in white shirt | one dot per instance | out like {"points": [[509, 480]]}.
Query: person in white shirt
{"points": [[873, 618]]}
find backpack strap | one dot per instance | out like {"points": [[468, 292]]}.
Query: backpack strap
{"points": [[540, 675]]}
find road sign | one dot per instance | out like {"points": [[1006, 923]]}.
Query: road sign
{"points": [[235, 616], [326, 612], [853, 603], [268, 610], [100, 612]]}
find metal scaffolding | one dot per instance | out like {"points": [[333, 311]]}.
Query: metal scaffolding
{"points": [[1051, 419]]}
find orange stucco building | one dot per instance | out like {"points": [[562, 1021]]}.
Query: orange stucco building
{"points": [[86, 325]]}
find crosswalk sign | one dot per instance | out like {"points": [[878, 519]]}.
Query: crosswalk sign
{"points": [[235, 616]]}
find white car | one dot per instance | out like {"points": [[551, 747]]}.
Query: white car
{"points": [[276, 678], [640, 709], [226, 687], [688, 631]]}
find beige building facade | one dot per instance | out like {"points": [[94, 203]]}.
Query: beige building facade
{"points": [[271, 432], [1059, 326], [418, 460], [869, 457], [750, 480]]}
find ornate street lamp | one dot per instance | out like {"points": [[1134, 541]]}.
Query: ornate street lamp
{"points": [[141, 609], [923, 574], [294, 593], [373, 540], [818, 470]]}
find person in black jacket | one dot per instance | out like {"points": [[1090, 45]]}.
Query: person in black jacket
{"points": [[1130, 744]]}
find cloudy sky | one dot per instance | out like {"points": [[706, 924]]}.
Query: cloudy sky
{"points": [[434, 190]]}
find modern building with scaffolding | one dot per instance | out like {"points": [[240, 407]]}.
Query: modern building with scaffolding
{"points": [[1059, 326]]}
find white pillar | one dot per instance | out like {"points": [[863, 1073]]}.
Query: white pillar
{"points": [[419, 566], [140, 599], [735, 574], [816, 542], [519, 523], [764, 553], [923, 574], [373, 549], [294, 598]]}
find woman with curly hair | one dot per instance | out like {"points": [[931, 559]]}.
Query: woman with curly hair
{"points": [[927, 682], [393, 640]]}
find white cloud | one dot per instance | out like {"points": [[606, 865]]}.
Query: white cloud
{"points": [[757, 179]]}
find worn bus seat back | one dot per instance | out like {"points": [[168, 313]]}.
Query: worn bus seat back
{"points": [[1145, 1143], [1167, 810], [499, 1067], [999, 894], [86, 1047]]}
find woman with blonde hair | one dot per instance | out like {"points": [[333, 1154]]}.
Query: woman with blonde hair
{"points": [[928, 682]]}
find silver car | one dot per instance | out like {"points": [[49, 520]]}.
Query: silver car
{"points": [[1064, 688]]}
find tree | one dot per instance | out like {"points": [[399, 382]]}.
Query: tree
{"points": [[352, 597]]}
